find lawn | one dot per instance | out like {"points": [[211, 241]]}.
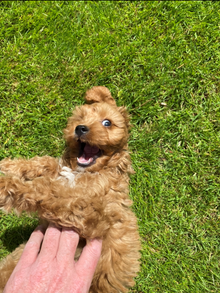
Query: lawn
{"points": [[162, 60]]}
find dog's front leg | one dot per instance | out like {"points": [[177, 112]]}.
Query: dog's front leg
{"points": [[79, 207], [30, 169]]}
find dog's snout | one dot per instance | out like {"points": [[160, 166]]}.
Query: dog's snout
{"points": [[81, 129]]}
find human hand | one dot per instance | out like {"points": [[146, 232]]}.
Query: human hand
{"points": [[51, 268]]}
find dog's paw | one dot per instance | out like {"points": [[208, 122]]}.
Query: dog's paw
{"points": [[67, 175]]}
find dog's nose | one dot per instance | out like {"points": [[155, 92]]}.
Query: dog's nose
{"points": [[81, 129]]}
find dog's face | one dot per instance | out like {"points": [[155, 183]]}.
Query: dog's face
{"points": [[97, 130]]}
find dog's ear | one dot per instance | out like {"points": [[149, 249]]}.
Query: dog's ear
{"points": [[99, 94]]}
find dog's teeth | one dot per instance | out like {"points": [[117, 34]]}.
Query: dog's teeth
{"points": [[83, 161]]}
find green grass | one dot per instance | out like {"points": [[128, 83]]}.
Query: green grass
{"points": [[162, 60]]}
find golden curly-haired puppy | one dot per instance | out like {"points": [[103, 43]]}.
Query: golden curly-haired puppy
{"points": [[87, 190]]}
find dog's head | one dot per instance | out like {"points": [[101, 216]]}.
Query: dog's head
{"points": [[97, 131]]}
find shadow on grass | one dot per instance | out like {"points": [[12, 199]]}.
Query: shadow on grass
{"points": [[14, 236]]}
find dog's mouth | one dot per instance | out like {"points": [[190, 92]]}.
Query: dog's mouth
{"points": [[87, 154]]}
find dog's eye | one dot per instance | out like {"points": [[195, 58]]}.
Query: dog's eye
{"points": [[106, 123]]}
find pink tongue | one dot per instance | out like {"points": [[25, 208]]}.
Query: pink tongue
{"points": [[90, 151], [88, 154]]}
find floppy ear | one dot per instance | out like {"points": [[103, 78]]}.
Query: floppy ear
{"points": [[99, 94]]}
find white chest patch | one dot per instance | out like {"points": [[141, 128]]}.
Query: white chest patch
{"points": [[67, 176]]}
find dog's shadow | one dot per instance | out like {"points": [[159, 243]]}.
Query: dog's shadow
{"points": [[12, 237]]}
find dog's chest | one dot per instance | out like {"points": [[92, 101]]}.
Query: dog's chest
{"points": [[68, 176]]}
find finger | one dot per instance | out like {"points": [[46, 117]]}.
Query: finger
{"points": [[50, 243], [69, 240], [32, 248], [89, 258]]}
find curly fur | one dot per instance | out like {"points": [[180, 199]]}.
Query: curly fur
{"points": [[89, 194]]}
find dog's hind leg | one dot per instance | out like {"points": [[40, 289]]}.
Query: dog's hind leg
{"points": [[8, 264], [119, 262]]}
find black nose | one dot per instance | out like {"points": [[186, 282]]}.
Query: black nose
{"points": [[81, 129]]}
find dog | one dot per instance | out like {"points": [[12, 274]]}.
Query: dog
{"points": [[87, 190]]}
